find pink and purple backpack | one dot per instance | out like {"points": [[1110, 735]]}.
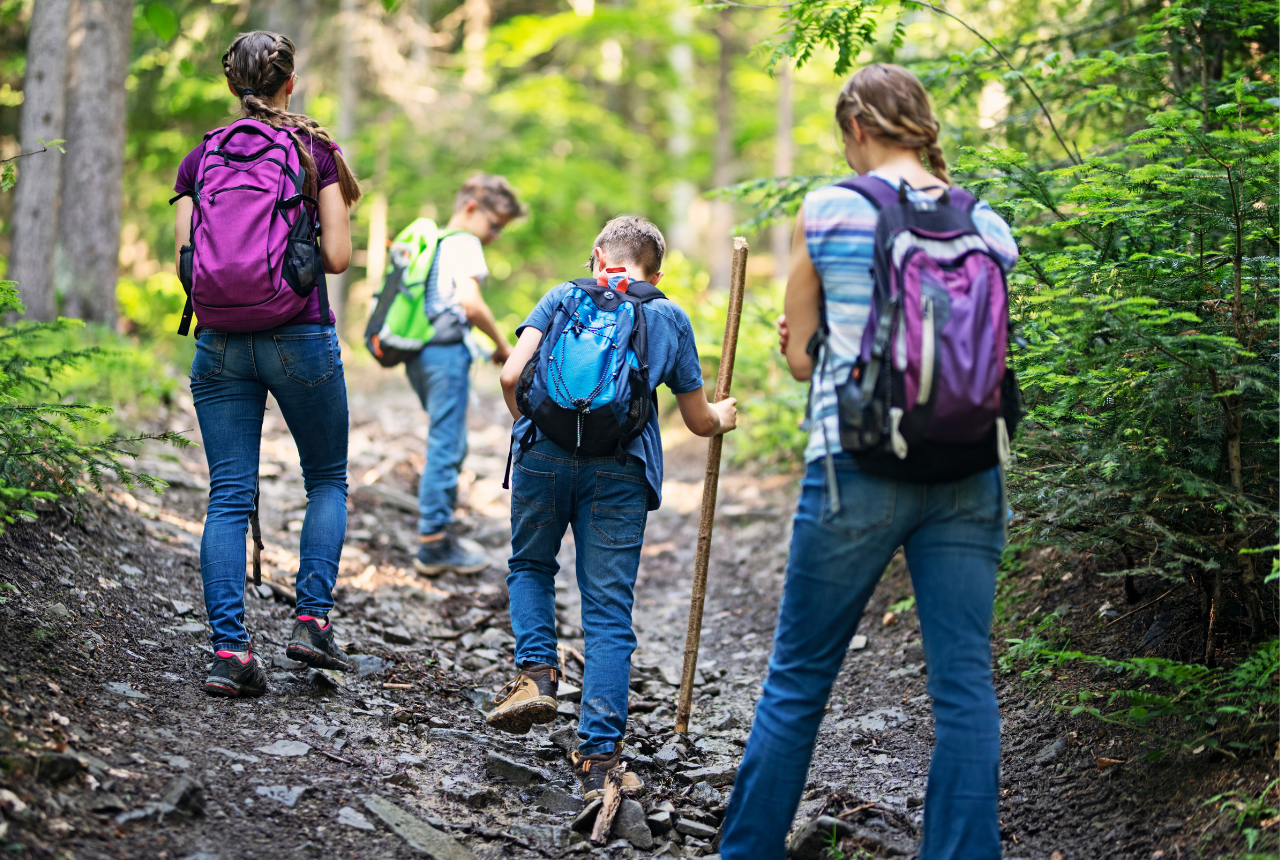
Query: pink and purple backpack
{"points": [[253, 260], [931, 397]]}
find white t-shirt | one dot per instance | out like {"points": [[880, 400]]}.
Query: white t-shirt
{"points": [[459, 257]]}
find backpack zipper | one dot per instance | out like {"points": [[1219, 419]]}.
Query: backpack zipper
{"points": [[215, 194], [927, 348]]}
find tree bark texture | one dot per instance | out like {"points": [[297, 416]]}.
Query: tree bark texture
{"points": [[35, 210], [93, 170], [783, 153], [680, 236], [344, 130], [718, 248]]}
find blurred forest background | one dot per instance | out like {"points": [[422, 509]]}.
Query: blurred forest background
{"points": [[1131, 144]]}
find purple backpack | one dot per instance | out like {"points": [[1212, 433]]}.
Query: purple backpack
{"points": [[253, 260], [930, 398]]}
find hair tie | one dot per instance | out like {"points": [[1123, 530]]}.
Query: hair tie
{"points": [[248, 91]]}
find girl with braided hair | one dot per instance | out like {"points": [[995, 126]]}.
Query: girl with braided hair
{"points": [[951, 532], [300, 364]]}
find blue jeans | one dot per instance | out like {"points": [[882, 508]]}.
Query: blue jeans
{"points": [[952, 534], [230, 377], [607, 505], [439, 374]]}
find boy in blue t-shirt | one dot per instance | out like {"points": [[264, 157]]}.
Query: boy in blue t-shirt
{"points": [[606, 504]]}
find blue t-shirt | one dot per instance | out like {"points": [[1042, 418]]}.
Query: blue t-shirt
{"points": [[673, 362]]}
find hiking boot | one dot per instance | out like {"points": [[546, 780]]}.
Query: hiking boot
{"points": [[314, 646], [230, 677], [447, 554], [529, 698], [592, 769]]}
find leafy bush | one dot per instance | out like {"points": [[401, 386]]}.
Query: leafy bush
{"points": [[1234, 708], [42, 454]]}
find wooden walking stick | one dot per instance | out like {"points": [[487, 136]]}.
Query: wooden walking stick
{"points": [[711, 486]]}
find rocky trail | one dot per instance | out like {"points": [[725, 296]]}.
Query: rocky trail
{"points": [[112, 750]]}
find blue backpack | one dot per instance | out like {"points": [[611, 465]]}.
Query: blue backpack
{"points": [[587, 387]]}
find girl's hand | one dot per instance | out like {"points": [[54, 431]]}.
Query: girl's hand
{"points": [[784, 334]]}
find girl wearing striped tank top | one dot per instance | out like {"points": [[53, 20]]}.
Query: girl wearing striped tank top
{"points": [[951, 533]]}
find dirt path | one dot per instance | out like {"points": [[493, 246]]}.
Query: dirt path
{"points": [[113, 750]]}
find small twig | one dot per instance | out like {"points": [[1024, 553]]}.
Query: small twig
{"points": [[1140, 608], [335, 757]]}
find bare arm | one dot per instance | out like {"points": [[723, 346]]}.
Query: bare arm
{"points": [[525, 347], [335, 230], [704, 418], [804, 293], [181, 226], [479, 315]]}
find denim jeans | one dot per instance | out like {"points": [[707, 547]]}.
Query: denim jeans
{"points": [[439, 374], [301, 366], [952, 534], [607, 506]]}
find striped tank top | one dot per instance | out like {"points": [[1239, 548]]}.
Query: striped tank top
{"points": [[840, 229]]}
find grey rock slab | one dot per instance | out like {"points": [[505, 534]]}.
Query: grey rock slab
{"points": [[721, 774], [235, 756], [706, 795], [545, 837], [190, 627], [565, 738], [495, 637], [59, 611], [285, 749], [811, 841], [201, 855], [587, 817], [368, 664], [122, 689], [559, 802], [915, 670], [353, 818], [179, 762], [286, 794], [667, 757], [467, 792], [513, 771], [181, 607], [418, 834], [397, 635], [696, 829], [631, 826], [55, 768], [282, 662], [569, 693], [660, 821], [859, 642], [877, 720], [184, 794], [1050, 752]]}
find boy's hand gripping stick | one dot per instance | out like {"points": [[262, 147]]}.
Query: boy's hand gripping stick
{"points": [[710, 486]]}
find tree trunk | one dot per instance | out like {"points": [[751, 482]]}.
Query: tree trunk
{"points": [[475, 38], [344, 128], [783, 150], [297, 20], [35, 209], [719, 248], [93, 171], [679, 234]]}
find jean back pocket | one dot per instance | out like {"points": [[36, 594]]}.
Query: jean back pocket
{"points": [[307, 358], [211, 351]]}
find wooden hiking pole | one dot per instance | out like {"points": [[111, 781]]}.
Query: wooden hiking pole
{"points": [[711, 486]]}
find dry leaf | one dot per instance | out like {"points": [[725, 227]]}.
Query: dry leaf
{"points": [[1057, 855], [1104, 762], [889, 618]]}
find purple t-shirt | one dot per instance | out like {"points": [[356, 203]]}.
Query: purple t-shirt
{"points": [[326, 170]]}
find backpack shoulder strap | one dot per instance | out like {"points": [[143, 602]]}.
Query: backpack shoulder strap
{"points": [[879, 192], [961, 198], [643, 291]]}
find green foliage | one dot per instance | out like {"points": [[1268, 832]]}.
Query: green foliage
{"points": [[1228, 709], [42, 455], [1147, 292], [1251, 814]]}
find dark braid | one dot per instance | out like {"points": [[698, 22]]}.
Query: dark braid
{"points": [[257, 65]]}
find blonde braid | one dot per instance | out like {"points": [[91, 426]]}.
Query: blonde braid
{"points": [[893, 106], [257, 65]]}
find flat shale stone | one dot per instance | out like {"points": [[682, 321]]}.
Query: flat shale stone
{"points": [[418, 834]]}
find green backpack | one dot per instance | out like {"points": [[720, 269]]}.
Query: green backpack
{"points": [[399, 328]]}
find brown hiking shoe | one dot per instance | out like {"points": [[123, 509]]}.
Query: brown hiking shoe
{"points": [[529, 698], [592, 769]]}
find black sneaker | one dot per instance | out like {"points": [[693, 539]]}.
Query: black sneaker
{"points": [[229, 677], [315, 647], [446, 554]]}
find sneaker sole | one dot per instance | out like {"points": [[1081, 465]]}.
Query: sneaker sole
{"points": [[520, 718], [437, 569], [315, 659], [223, 688]]}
